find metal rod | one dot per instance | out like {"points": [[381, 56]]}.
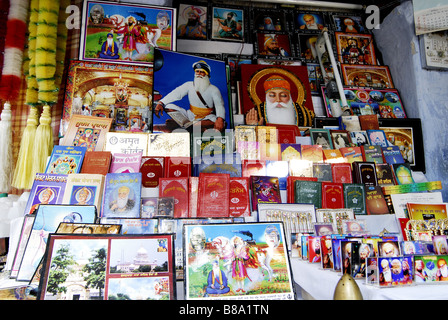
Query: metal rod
{"points": [[322, 4]]}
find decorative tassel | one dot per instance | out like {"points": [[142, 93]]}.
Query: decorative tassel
{"points": [[23, 178], [43, 142], [5, 149], [32, 87]]}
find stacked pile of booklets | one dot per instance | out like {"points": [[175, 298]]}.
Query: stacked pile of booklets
{"points": [[155, 180]]}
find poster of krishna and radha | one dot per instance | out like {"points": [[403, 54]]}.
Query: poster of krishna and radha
{"points": [[237, 261]]}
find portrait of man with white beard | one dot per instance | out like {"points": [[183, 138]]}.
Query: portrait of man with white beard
{"points": [[279, 107], [206, 104], [123, 203], [109, 49]]}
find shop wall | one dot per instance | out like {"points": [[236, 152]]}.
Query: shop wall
{"points": [[424, 92]]}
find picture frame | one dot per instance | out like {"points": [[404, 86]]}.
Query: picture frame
{"points": [[266, 19], [340, 138], [273, 45], [321, 137], [377, 77], [409, 130], [192, 21], [228, 23], [377, 138], [323, 229], [348, 23], [153, 274], [356, 49], [151, 26], [117, 91], [201, 258], [88, 228], [309, 21], [359, 138], [354, 227], [306, 47]]}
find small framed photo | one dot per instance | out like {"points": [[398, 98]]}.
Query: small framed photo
{"points": [[165, 207], [268, 20], [321, 137], [306, 47], [192, 22], [377, 77], [359, 138], [348, 23], [278, 45], [323, 229], [355, 48], [377, 138], [354, 227], [228, 24], [309, 21], [340, 138]]}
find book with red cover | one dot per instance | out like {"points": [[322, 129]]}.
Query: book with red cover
{"points": [[177, 188], [193, 189], [125, 162], [341, 172], [177, 167], [151, 169], [375, 201], [332, 195], [287, 133], [213, 195], [264, 189], [290, 186], [253, 168], [96, 162], [239, 197], [369, 122]]}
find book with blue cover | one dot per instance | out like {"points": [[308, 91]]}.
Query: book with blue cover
{"points": [[392, 154], [66, 159], [47, 188]]}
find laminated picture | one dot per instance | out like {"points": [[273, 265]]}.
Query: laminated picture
{"points": [[273, 45], [228, 24], [192, 22], [268, 20], [309, 21]]}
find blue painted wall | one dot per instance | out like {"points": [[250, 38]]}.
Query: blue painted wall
{"points": [[424, 92]]}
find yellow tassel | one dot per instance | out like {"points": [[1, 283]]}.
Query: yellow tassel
{"points": [[5, 149], [32, 86], [43, 142], [22, 178]]}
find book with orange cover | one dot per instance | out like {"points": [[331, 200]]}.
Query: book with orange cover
{"points": [[97, 162]]}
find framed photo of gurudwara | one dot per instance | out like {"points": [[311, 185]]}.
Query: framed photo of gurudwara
{"points": [[236, 261], [125, 33], [277, 94]]}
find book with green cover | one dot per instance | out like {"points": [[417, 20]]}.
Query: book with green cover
{"points": [[355, 197], [309, 192]]}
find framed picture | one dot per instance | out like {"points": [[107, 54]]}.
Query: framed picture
{"points": [[192, 22], [386, 103], [340, 138], [354, 227], [348, 23], [176, 103], [307, 47], [355, 48], [264, 19], [125, 33], [88, 228], [228, 24], [376, 77], [273, 45], [135, 266], [407, 135], [359, 138], [108, 90], [323, 229], [315, 77], [214, 268], [309, 21], [377, 138], [321, 137]]}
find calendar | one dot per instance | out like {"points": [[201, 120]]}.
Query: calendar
{"points": [[434, 50], [430, 16]]}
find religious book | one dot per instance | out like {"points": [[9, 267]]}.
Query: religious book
{"points": [[308, 192], [127, 142], [402, 173], [375, 201], [377, 138], [239, 205], [313, 152], [369, 122], [286, 133], [341, 172], [355, 198], [349, 123], [248, 150], [176, 167], [323, 171], [332, 195], [384, 174], [245, 133], [97, 162], [301, 168], [365, 173], [372, 153], [267, 138], [264, 189], [125, 163], [65, 159], [86, 131], [173, 144], [229, 163], [193, 189], [253, 168], [181, 119], [290, 151], [84, 189], [400, 201], [152, 168], [290, 186], [213, 195], [333, 156], [392, 154], [177, 188], [269, 151], [122, 195], [427, 211], [278, 169], [352, 154], [47, 188], [212, 144]]}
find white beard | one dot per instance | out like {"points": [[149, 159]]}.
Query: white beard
{"points": [[312, 26], [110, 42], [201, 84], [444, 272], [283, 115], [121, 203], [387, 276]]}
